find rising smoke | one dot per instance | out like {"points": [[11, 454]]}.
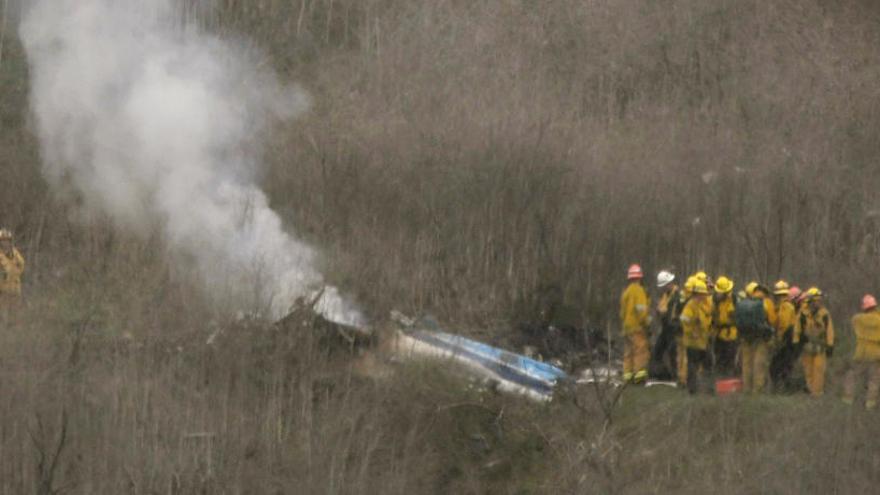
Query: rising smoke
{"points": [[153, 123]]}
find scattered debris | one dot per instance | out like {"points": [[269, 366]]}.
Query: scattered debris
{"points": [[547, 329], [324, 310], [661, 383], [602, 374], [497, 368], [423, 338], [333, 307]]}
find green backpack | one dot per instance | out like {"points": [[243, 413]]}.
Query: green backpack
{"points": [[751, 320]]}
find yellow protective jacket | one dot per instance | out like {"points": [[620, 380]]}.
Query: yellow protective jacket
{"points": [[11, 269], [770, 310], [867, 329], [816, 328], [723, 324], [786, 314], [634, 306], [696, 323]]}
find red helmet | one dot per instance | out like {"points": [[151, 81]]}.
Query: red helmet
{"points": [[868, 302], [635, 272], [794, 293]]}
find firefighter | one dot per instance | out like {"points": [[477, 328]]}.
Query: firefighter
{"points": [[704, 277], [11, 270], [866, 359], [724, 327], [784, 350], [755, 322], [794, 296], [635, 318], [815, 327], [696, 323], [680, 349], [669, 304]]}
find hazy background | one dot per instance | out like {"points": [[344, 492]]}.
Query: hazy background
{"points": [[455, 157]]}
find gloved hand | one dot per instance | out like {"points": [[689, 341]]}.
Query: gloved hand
{"points": [[829, 351]]}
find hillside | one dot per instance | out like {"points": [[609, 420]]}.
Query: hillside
{"points": [[458, 158]]}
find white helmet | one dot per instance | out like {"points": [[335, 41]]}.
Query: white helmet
{"points": [[664, 278]]}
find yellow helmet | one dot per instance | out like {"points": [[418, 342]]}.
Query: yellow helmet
{"points": [[5, 235], [723, 285], [700, 287], [750, 288], [701, 276], [813, 293], [781, 288], [689, 285]]}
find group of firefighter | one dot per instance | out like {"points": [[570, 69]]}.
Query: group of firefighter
{"points": [[707, 328]]}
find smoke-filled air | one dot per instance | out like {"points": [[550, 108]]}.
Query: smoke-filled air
{"points": [[155, 124]]}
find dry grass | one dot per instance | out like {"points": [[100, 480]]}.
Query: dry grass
{"points": [[271, 410], [495, 147], [459, 155]]}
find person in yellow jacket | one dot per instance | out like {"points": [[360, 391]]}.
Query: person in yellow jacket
{"points": [[702, 276], [866, 359], [696, 325], [680, 349], [755, 336], [815, 328], [11, 270], [724, 327], [635, 317], [794, 296], [784, 351]]}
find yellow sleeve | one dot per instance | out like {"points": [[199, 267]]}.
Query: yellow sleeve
{"points": [[780, 318], [785, 319], [687, 318], [770, 309]]}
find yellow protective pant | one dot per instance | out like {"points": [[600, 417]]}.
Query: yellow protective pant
{"points": [[635, 354], [814, 372], [682, 360], [754, 365], [857, 370]]}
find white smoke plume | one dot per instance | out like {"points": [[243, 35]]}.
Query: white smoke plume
{"points": [[154, 123]]}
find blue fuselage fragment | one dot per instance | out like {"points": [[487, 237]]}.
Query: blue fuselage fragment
{"points": [[535, 376]]}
